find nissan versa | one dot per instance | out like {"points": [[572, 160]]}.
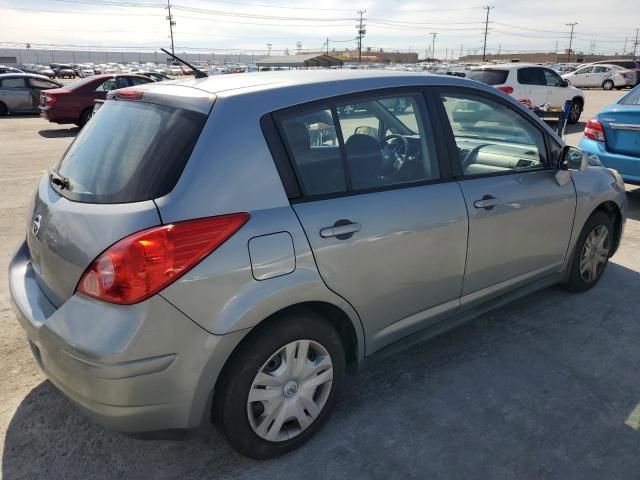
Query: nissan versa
{"points": [[228, 248]]}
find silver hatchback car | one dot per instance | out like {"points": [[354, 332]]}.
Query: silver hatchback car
{"points": [[228, 248]]}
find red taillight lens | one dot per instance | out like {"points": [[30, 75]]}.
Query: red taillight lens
{"points": [[49, 99], [594, 130], [144, 263], [507, 90]]}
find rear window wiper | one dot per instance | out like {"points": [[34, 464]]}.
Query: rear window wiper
{"points": [[59, 180]]}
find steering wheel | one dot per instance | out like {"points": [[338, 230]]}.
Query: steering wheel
{"points": [[392, 158], [471, 156]]}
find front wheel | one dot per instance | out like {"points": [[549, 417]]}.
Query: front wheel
{"points": [[280, 385], [591, 253], [607, 85], [574, 112]]}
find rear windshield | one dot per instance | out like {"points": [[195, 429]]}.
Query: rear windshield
{"points": [[631, 98], [129, 152], [490, 77]]}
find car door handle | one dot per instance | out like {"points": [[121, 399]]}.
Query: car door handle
{"points": [[487, 202], [340, 230]]}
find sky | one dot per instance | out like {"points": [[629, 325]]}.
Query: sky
{"points": [[249, 25]]}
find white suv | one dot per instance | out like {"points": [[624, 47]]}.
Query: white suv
{"points": [[533, 83]]}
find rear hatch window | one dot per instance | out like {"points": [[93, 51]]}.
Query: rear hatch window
{"points": [[129, 152], [490, 77]]}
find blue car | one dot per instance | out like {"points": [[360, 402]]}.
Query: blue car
{"points": [[614, 136]]}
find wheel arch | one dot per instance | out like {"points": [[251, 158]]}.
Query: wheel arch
{"points": [[611, 209], [579, 100]]}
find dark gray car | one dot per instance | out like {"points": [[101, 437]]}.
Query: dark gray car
{"points": [[20, 92], [228, 248]]}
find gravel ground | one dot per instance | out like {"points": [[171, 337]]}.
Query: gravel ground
{"points": [[539, 389]]}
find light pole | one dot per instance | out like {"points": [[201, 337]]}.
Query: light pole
{"points": [[572, 25], [433, 44]]}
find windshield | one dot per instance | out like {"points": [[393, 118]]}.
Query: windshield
{"points": [[490, 77], [129, 152]]}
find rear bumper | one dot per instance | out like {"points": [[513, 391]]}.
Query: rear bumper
{"points": [[55, 116], [626, 165], [136, 368]]}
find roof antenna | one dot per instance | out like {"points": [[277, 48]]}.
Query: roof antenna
{"points": [[196, 73]]}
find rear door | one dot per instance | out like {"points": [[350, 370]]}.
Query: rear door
{"points": [[520, 219], [15, 94], [534, 85], [582, 77], [129, 154], [388, 233], [599, 75]]}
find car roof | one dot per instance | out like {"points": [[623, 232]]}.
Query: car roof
{"points": [[19, 75], [508, 66], [235, 84]]}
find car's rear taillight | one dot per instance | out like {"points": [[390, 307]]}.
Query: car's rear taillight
{"points": [[142, 264], [49, 99], [507, 90], [129, 94], [594, 130]]}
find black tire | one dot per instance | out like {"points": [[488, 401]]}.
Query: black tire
{"points": [[232, 392], [3, 109], [608, 85], [575, 112], [577, 281], [85, 116]]}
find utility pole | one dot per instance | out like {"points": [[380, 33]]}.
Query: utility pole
{"points": [[172, 24], [433, 44], [298, 47], [624, 50], [635, 44], [461, 49], [327, 44], [486, 32], [572, 25], [361, 32], [268, 49]]}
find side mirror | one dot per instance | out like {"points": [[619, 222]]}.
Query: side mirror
{"points": [[574, 159], [565, 83]]}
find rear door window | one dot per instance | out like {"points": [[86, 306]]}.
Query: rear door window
{"points": [[138, 81], [129, 152], [12, 83], [490, 77], [531, 76]]}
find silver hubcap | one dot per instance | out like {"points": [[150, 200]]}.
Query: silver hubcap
{"points": [[290, 390], [594, 254]]}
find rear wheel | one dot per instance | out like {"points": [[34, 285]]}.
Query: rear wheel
{"points": [[85, 116], [575, 112], [607, 84], [592, 253], [280, 386]]}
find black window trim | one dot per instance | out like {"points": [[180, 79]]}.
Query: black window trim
{"points": [[454, 159], [286, 166]]}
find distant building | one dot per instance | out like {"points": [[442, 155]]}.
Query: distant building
{"points": [[549, 57], [376, 57]]}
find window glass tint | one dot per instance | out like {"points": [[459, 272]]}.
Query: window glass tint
{"points": [[41, 84], [386, 142], [139, 80], [12, 83], [531, 76], [490, 77], [129, 152], [492, 137], [584, 70], [552, 79], [600, 69], [313, 144], [107, 85], [632, 98]]}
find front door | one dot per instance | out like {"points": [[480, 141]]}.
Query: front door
{"points": [[520, 218], [386, 233], [556, 88], [532, 80], [15, 94]]}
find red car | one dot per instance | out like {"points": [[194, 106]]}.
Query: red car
{"points": [[73, 103]]}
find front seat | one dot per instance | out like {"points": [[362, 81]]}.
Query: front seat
{"points": [[365, 161]]}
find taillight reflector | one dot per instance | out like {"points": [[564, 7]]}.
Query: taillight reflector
{"points": [[594, 130], [142, 264], [49, 99], [507, 90], [127, 94]]}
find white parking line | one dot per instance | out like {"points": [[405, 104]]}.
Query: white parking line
{"points": [[633, 420]]}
